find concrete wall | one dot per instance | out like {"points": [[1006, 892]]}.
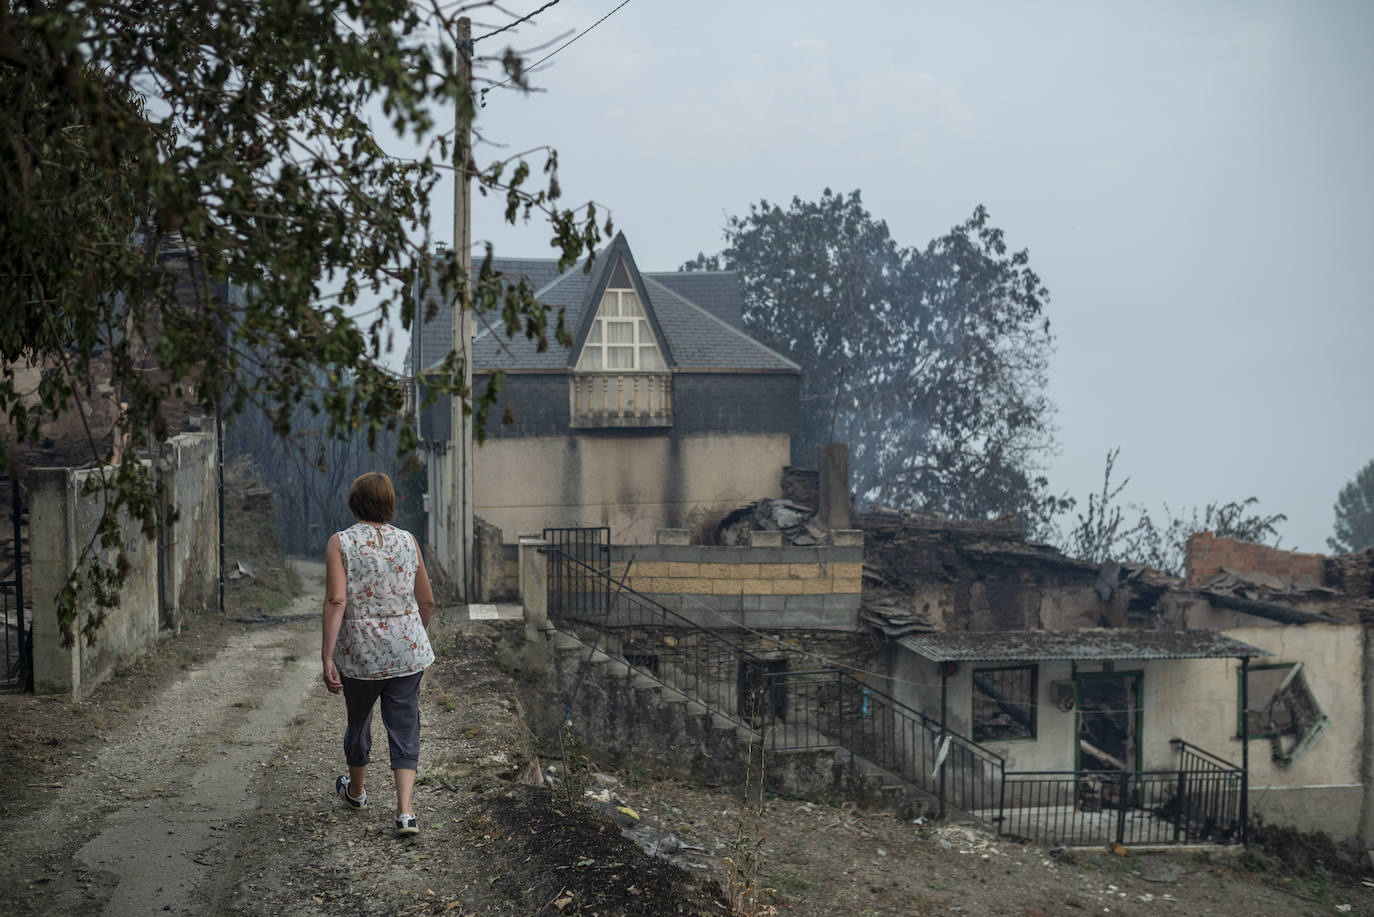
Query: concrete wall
{"points": [[1321, 791], [190, 536], [636, 482], [61, 521], [916, 682]]}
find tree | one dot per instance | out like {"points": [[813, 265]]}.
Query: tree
{"points": [[1354, 529], [931, 364], [1107, 529], [238, 130]]}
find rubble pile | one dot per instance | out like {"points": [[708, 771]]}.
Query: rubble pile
{"points": [[796, 522], [905, 551], [1258, 584]]}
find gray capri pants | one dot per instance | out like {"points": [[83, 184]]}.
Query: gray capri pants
{"points": [[400, 715]]}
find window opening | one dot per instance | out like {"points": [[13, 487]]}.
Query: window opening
{"points": [[1004, 703], [1281, 704], [1267, 719]]}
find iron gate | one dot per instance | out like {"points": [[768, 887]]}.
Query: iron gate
{"points": [[18, 640], [574, 589]]}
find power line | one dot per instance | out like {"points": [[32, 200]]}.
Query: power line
{"points": [[518, 21], [541, 60]]}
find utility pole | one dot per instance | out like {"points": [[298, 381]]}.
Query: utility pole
{"points": [[459, 455]]}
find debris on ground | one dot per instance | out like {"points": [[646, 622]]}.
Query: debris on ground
{"points": [[242, 571]]}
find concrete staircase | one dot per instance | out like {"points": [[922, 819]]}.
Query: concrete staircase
{"points": [[635, 720]]}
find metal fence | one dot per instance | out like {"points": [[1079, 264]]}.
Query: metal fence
{"points": [[719, 673], [1197, 803], [18, 638], [831, 707]]}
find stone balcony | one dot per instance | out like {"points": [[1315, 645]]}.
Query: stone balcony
{"points": [[621, 399]]}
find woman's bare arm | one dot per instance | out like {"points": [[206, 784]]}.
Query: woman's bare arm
{"points": [[424, 595], [335, 599]]}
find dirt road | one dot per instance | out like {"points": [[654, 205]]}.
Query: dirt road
{"points": [[156, 798]]}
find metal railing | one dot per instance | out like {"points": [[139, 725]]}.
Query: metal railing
{"points": [[1209, 795], [1199, 802], [713, 670], [831, 707]]}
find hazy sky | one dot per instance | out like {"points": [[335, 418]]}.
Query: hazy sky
{"points": [[1194, 181]]}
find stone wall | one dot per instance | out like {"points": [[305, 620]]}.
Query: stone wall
{"points": [[813, 588], [1352, 574]]}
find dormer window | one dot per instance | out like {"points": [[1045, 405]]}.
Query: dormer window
{"points": [[620, 338]]}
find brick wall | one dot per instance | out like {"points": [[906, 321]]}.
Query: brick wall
{"points": [[760, 587], [1207, 554]]}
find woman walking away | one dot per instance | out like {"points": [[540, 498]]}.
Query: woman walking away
{"points": [[377, 604]]}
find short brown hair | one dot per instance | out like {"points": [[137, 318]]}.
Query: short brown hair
{"points": [[372, 498]]}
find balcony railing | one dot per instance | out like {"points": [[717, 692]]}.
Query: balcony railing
{"points": [[621, 399]]}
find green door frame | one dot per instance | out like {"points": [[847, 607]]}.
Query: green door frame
{"points": [[1078, 679]]}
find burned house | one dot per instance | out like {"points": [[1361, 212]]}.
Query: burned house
{"points": [[1257, 662]]}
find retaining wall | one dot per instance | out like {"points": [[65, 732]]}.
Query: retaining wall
{"points": [[812, 588]]}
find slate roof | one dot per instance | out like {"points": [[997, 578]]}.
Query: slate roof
{"points": [[1075, 645], [692, 312], [701, 340], [718, 292]]}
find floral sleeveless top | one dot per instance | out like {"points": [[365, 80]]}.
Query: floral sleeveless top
{"points": [[381, 635]]}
